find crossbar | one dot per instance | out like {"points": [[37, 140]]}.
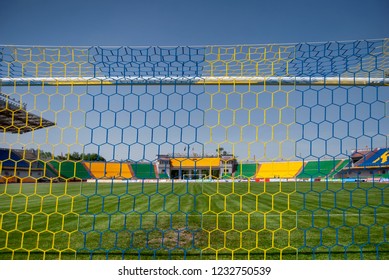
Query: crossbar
{"points": [[206, 80]]}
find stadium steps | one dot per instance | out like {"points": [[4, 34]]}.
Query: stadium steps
{"points": [[163, 176], [49, 170], [156, 171], [131, 170], [342, 164], [365, 158]]}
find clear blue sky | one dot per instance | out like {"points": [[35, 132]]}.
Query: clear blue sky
{"points": [[181, 22]]}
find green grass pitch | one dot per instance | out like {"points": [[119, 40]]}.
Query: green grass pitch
{"points": [[202, 220]]}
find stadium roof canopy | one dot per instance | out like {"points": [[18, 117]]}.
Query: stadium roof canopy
{"points": [[14, 117]]}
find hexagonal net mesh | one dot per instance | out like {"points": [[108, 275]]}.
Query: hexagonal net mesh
{"points": [[215, 152]]}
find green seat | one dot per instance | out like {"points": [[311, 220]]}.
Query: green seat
{"points": [[318, 169], [144, 170], [246, 170], [70, 169]]}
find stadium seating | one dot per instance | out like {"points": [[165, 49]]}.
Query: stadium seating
{"points": [[10, 158], [318, 169], [379, 158], [49, 170], [144, 170], [109, 170], [246, 170], [68, 169], [339, 167], [360, 157], [163, 176], [288, 169], [195, 162], [13, 164]]}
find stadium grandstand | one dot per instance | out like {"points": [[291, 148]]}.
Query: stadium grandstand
{"points": [[109, 170], [318, 169], [19, 165], [178, 167], [67, 170], [14, 167], [24, 165], [367, 165], [246, 170], [144, 170], [283, 170]]}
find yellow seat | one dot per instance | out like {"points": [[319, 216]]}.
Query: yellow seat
{"points": [[195, 162], [109, 169], [287, 169]]}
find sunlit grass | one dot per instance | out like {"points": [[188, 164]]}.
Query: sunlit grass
{"points": [[241, 220]]}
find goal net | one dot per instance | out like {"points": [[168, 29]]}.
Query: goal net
{"points": [[275, 151]]}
